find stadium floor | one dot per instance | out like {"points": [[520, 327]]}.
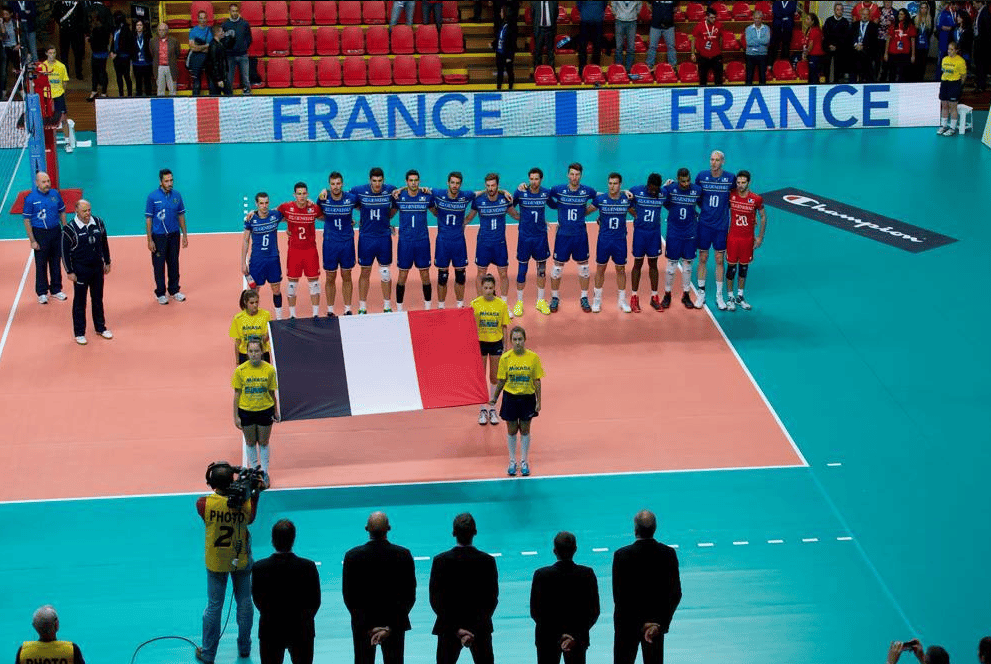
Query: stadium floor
{"points": [[873, 359]]}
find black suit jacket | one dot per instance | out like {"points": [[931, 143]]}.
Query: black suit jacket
{"points": [[983, 22], [286, 590], [464, 590], [535, 9], [870, 36], [564, 599], [646, 586], [379, 585]]}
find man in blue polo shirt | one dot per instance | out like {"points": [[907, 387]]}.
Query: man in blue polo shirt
{"points": [[165, 226], [44, 215]]}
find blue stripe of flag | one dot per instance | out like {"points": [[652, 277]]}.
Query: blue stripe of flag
{"points": [[566, 112], [162, 122]]}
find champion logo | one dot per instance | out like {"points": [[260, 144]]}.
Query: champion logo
{"points": [[805, 201]]}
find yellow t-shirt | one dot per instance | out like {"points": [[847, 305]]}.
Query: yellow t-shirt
{"points": [[519, 371], [57, 76], [256, 385], [490, 317], [244, 326], [954, 68]]}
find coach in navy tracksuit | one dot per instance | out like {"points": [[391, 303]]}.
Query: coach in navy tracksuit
{"points": [[44, 214], [86, 254]]}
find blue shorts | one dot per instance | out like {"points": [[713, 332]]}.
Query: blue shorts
{"points": [[710, 237], [449, 252], [646, 243], [371, 249], [413, 252], [680, 248], [568, 247], [265, 271], [610, 249], [535, 248], [492, 254], [338, 254]]}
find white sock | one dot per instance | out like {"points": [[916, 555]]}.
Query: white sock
{"points": [[719, 289], [540, 293], [653, 293], [387, 304], [511, 441], [524, 447], [597, 291], [399, 306], [702, 284], [554, 293], [584, 293], [347, 308], [492, 389], [251, 452], [669, 275], [953, 123], [292, 311], [440, 305], [739, 292], [427, 305], [278, 313], [362, 305], [622, 295], [461, 304], [686, 276], [944, 121], [263, 454], [316, 310]]}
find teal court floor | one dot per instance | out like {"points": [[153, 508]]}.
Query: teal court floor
{"points": [[875, 360]]}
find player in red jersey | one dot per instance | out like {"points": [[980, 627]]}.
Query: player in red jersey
{"points": [[744, 207], [301, 215]]}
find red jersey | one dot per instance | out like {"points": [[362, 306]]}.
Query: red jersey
{"points": [[708, 39], [743, 214], [302, 223], [874, 15], [812, 41], [900, 41]]}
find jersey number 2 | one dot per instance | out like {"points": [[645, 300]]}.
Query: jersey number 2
{"points": [[226, 535]]}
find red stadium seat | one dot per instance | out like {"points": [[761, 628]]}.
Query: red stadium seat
{"points": [[184, 82], [427, 39], [616, 74], [196, 7], [783, 72], [451, 38], [304, 73], [277, 42], [355, 71], [562, 15], [679, 16], [682, 42], [328, 40], [450, 12], [349, 12], [257, 48], [645, 15], [325, 12], [688, 72], [278, 74], [736, 71], [402, 12], [723, 12], [455, 79], [403, 41], [329, 73], [544, 75], [797, 39], [638, 45], [252, 13], [730, 42], [567, 49], [352, 40], [576, 15], [431, 71], [301, 12], [302, 41], [380, 70], [373, 13], [568, 75], [766, 9], [640, 73], [607, 15], [276, 13], [404, 69], [741, 11], [802, 70], [664, 73], [377, 40], [593, 75], [695, 11]]}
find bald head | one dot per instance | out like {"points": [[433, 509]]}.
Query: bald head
{"points": [[84, 210], [644, 524], [45, 622], [378, 525], [43, 182]]}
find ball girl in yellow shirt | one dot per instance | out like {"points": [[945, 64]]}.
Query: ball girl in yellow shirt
{"points": [[520, 372], [250, 323], [256, 405], [954, 70]]}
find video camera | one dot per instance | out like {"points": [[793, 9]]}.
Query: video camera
{"points": [[245, 482]]}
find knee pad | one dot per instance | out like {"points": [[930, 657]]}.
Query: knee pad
{"points": [[385, 275], [583, 270], [314, 288], [731, 272], [521, 272], [672, 266], [542, 269], [556, 271], [743, 270], [442, 277], [291, 289], [460, 277]]}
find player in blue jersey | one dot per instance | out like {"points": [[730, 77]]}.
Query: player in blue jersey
{"points": [[714, 222], [492, 206], [571, 240], [414, 238], [682, 199], [613, 206], [261, 232], [531, 242], [648, 204], [375, 236], [338, 241], [450, 249]]}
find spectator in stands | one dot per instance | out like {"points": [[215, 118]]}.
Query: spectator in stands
{"points": [[476, 10], [121, 45], [900, 48], [812, 51], [26, 13], [141, 47], [871, 7], [200, 36], [544, 31], [47, 648], [848, 12], [9, 49], [707, 48], [44, 214], [379, 587], [99, 46], [216, 63], [984, 650], [397, 9], [166, 61], [982, 46], [626, 14], [86, 256], [564, 604], [237, 33], [58, 76], [505, 53], [434, 8], [72, 26], [964, 36], [863, 40], [661, 25], [923, 38], [590, 32], [934, 655], [946, 22], [756, 38], [782, 27], [886, 19], [835, 42]]}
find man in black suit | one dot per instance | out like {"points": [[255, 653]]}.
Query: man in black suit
{"points": [[646, 590], [564, 602], [982, 46], [464, 591], [544, 16], [379, 586], [286, 590], [864, 42]]}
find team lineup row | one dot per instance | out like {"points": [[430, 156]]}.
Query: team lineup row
{"points": [[715, 211]]}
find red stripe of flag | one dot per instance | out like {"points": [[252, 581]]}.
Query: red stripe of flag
{"points": [[608, 111], [449, 365], [208, 119]]}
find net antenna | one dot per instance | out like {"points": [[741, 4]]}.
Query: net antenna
{"points": [[16, 127]]}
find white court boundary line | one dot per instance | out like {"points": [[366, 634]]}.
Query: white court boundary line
{"points": [[17, 300]]}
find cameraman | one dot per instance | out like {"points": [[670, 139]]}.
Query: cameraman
{"points": [[227, 513]]}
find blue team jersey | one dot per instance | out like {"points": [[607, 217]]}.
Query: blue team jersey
{"points": [[491, 218], [451, 213], [264, 235], [647, 215], [532, 206], [682, 205], [571, 207], [338, 217], [413, 214], [715, 199], [44, 210], [164, 209], [612, 215], [375, 209]]}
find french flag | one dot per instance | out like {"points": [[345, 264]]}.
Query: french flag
{"points": [[378, 363]]}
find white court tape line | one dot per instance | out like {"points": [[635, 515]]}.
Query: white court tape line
{"points": [[421, 557], [810, 539], [844, 539], [703, 545], [741, 543], [496, 555], [600, 549], [776, 541], [528, 553], [833, 465]]}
